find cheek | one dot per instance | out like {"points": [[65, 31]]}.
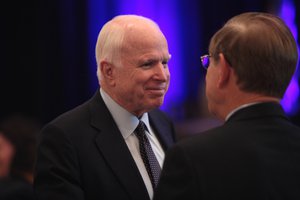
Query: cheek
{"points": [[168, 75], [124, 80], [131, 87], [210, 87], [208, 84]]}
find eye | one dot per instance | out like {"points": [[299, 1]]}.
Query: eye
{"points": [[148, 64], [165, 63]]}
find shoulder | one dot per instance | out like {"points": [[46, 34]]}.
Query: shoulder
{"points": [[76, 114], [210, 142], [80, 115], [69, 124], [203, 139]]}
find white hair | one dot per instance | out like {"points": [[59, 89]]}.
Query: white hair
{"points": [[111, 38]]}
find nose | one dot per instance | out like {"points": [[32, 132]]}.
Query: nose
{"points": [[162, 72]]}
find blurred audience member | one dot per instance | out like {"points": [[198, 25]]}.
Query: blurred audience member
{"points": [[6, 154], [17, 157]]}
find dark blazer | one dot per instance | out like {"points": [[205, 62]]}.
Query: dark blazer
{"points": [[83, 156], [255, 155], [15, 189]]}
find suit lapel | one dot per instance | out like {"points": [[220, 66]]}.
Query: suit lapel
{"points": [[115, 151], [162, 129]]}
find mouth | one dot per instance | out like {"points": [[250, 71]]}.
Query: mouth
{"points": [[156, 91]]}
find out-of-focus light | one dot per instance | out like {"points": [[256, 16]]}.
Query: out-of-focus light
{"points": [[290, 101]]}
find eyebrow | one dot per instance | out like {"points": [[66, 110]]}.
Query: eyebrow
{"points": [[153, 58]]}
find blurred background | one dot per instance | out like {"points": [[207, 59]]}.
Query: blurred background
{"points": [[48, 64]]}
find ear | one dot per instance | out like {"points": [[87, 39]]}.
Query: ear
{"points": [[224, 71], [107, 71]]}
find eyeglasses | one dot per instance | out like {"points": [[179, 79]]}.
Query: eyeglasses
{"points": [[205, 61]]}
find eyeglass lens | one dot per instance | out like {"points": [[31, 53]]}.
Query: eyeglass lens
{"points": [[205, 61]]}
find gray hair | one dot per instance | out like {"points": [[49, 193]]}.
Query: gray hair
{"points": [[111, 37]]}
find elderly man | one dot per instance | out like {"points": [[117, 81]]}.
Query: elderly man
{"points": [[112, 146], [256, 153]]}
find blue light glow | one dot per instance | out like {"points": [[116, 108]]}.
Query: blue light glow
{"points": [[96, 19], [290, 100]]}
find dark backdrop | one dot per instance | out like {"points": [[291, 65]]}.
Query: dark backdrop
{"points": [[45, 56]]}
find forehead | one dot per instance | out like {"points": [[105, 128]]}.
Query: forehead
{"points": [[149, 40]]}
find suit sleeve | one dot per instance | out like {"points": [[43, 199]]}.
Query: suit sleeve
{"points": [[57, 168], [178, 179]]}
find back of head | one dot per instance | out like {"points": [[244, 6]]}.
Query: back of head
{"points": [[113, 34], [261, 50]]}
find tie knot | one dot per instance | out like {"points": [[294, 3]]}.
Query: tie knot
{"points": [[140, 129]]}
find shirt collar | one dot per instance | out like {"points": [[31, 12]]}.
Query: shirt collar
{"points": [[125, 121]]}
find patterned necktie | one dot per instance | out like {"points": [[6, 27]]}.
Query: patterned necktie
{"points": [[147, 154]]}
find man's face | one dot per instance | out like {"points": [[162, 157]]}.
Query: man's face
{"points": [[143, 79]]}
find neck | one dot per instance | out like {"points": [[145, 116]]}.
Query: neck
{"points": [[123, 104], [240, 100]]}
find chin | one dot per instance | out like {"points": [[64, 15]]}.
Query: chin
{"points": [[156, 103]]}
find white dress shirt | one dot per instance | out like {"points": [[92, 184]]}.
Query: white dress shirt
{"points": [[127, 123]]}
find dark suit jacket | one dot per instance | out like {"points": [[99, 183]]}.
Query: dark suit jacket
{"points": [[15, 189], [255, 155], [82, 155]]}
